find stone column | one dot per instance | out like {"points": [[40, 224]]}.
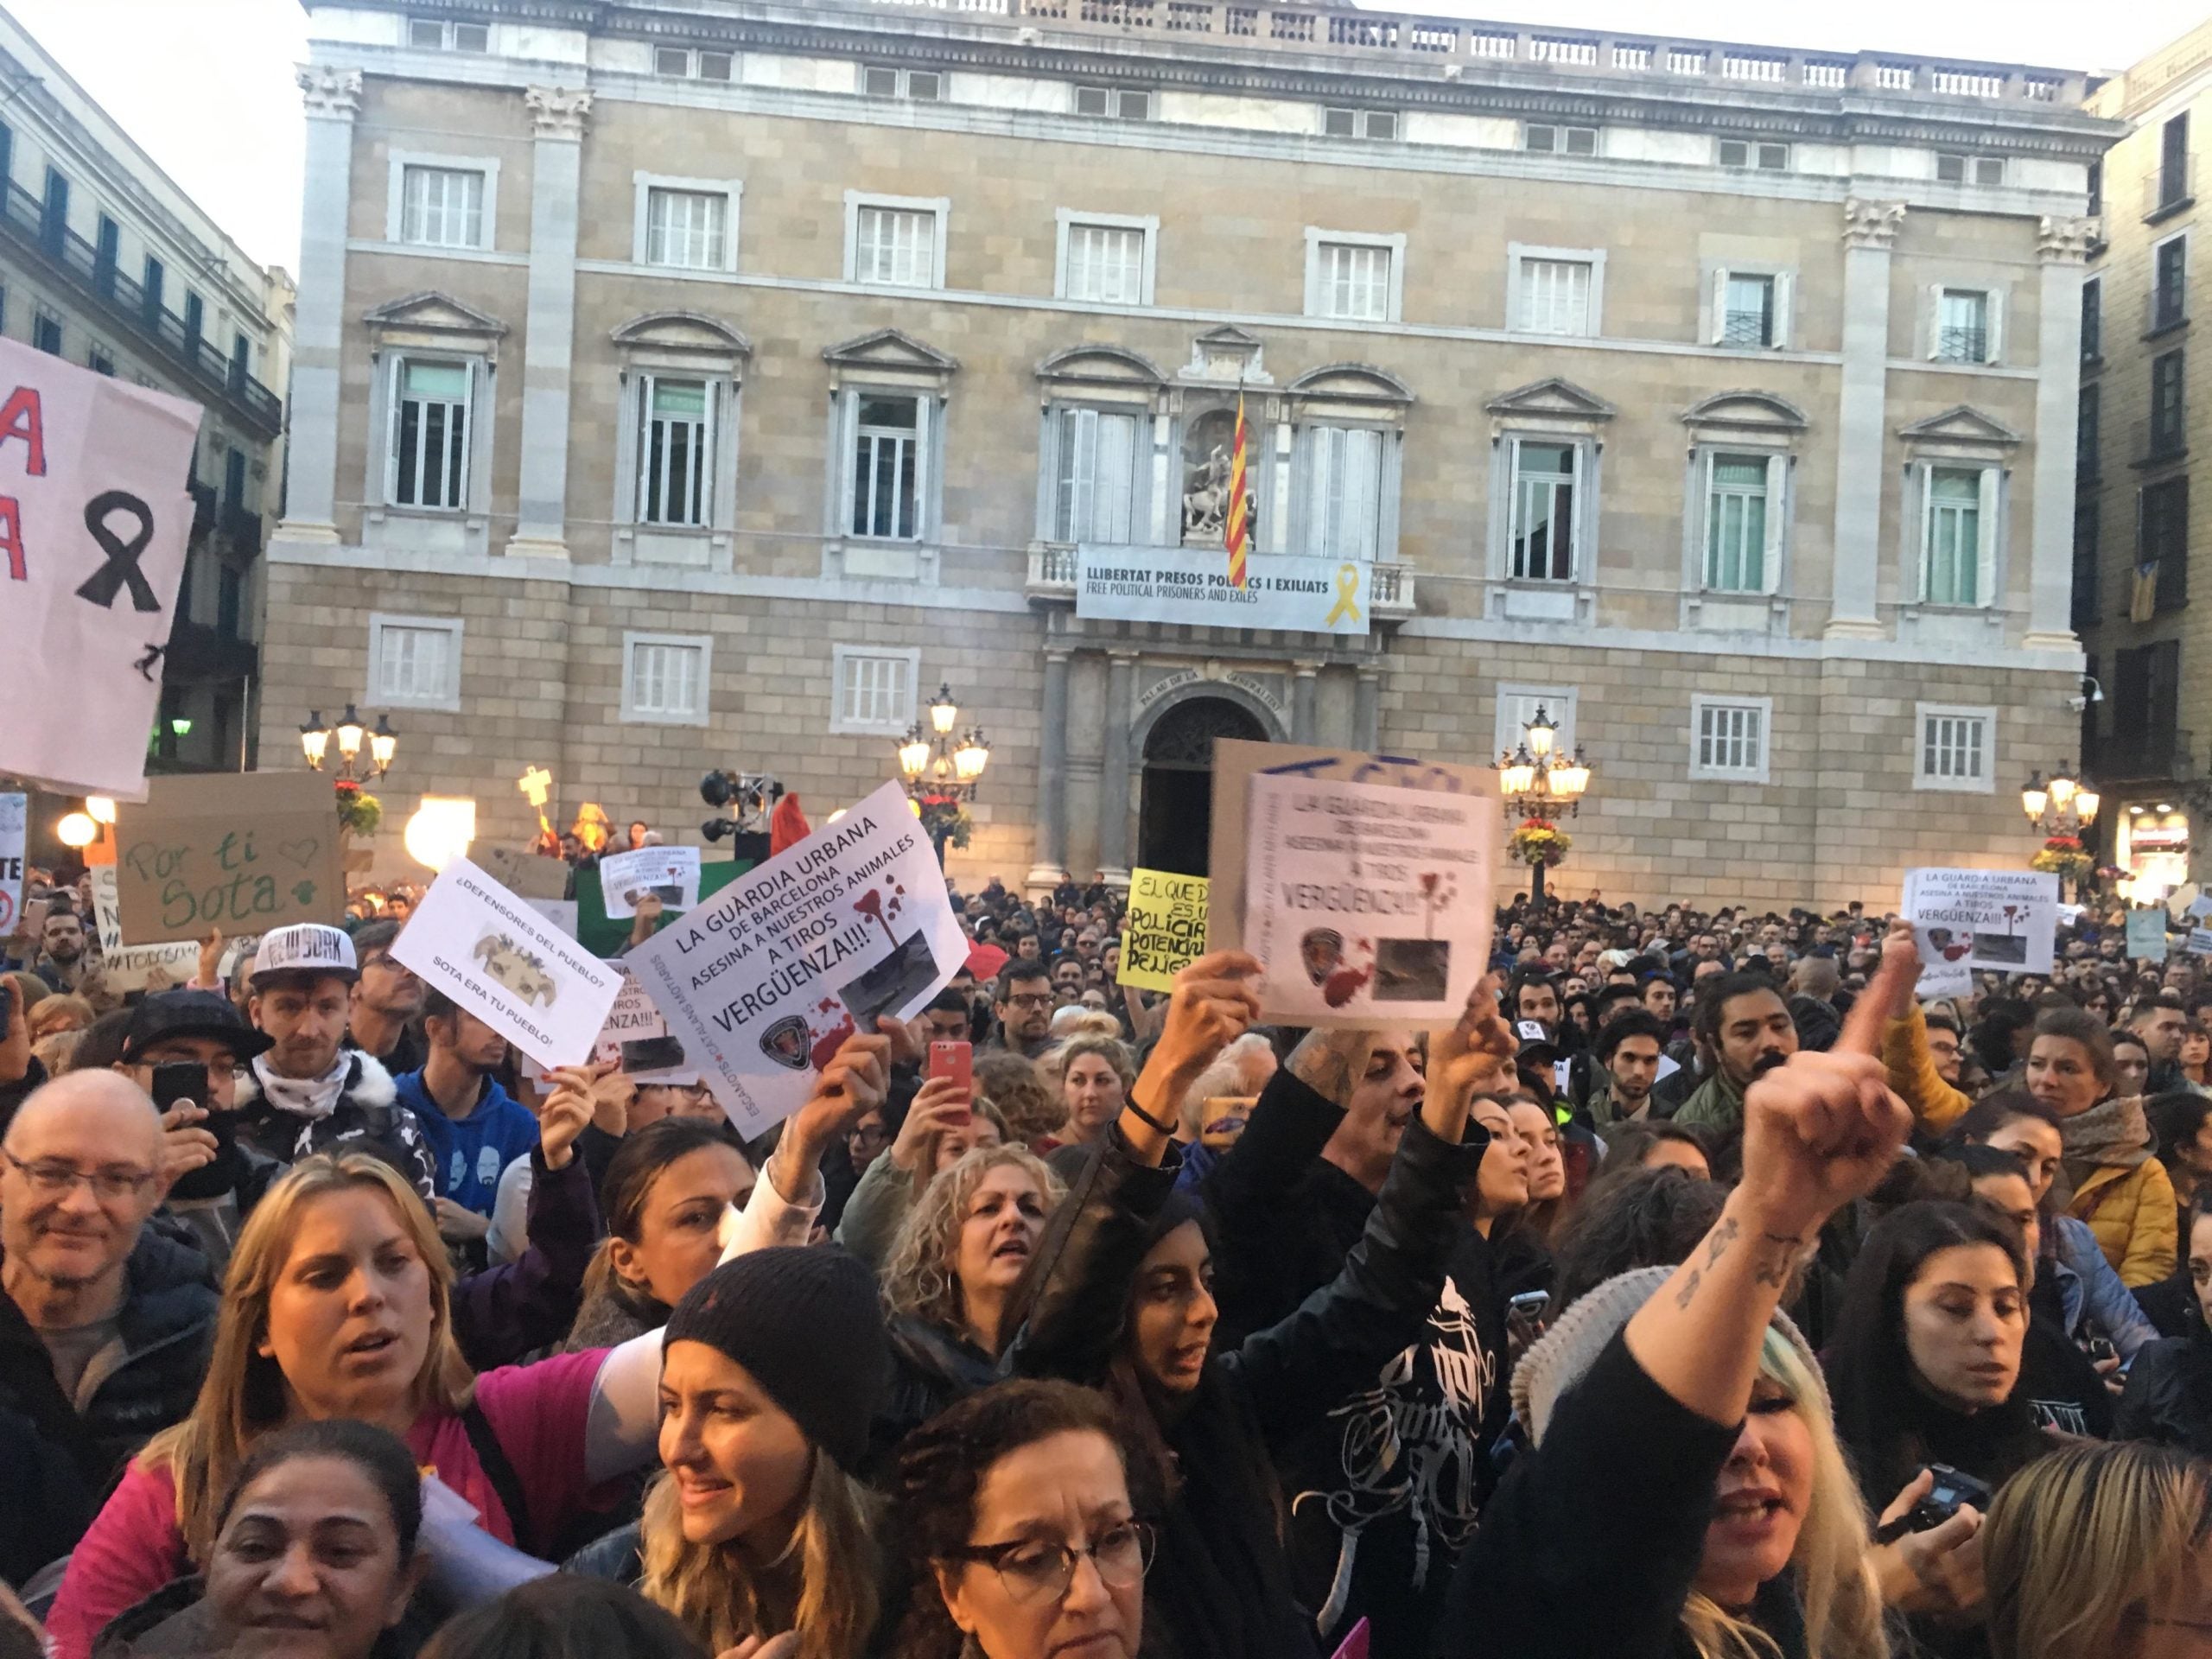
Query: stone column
{"points": [[1051, 868], [1301, 701], [1869, 228], [334, 98], [557, 115], [1114, 773], [1367, 708], [2064, 245]]}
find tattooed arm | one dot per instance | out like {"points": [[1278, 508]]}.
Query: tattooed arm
{"points": [[1818, 1132]]}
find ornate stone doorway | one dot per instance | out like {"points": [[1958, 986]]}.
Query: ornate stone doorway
{"points": [[1176, 810]]}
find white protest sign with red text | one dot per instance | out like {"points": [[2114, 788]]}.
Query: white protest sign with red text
{"points": [[93, 521]]}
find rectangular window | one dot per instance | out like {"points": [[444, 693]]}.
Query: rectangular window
{"points": [[1378, 125], [1962, 325], [676, 451], [2146, 708], [1954, 751], [716, 66], [875, 689], [1758, 157], [1344, 492], [430, 425], [1113, 103], [230, 603], [442, 207], [664, 679], [1519, 706], [921, 86], [2169, 283], [1747, 310], [886, 469], [1951, 538], [896, 246], [686, 228], [2169, 423], [1730, 740], [672, 60], [2093, 322], [1097, 476], [100, 361], [1735, 521], [1950, 169], [2173, 163], [2163, 533], [46, 334], [415, 661], [1355, 281], [2088, 599], [1559, 141], [1105, 263], [2088, 418], [1542, 534], [1555, 296], [428, 35]]}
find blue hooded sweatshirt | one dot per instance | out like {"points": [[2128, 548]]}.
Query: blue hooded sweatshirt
{"points": [[469, 1152]]}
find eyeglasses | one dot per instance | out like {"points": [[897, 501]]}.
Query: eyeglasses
{"points": [[867, 1132], [56, 1179], [1030, 999], [1032, 1570]]}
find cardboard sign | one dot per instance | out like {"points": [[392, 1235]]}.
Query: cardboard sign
{"points": [[1367, 900], [1997, 921], [763, 985], [672, 873], [526, 875], [14, 813], [1166, 928], [636, 1035], [141, 967], [93, 521], [245, 852], [506, 965], [2146, 935]]}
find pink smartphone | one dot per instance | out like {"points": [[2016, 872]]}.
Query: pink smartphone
{"points": [[955, 1060]]}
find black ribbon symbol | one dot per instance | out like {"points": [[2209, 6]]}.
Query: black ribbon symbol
{"points": [[121, 569]]}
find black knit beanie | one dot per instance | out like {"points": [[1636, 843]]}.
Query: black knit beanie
{"points": [[806, 1325]]}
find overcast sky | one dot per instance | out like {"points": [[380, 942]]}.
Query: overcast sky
{"points": [[205, 86]]}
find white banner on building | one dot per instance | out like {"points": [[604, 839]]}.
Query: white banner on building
{"points": [[1172, 584]]}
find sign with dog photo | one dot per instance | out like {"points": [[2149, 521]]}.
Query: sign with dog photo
{"points": [[495, 956], [763, 984], [1991, 921]]}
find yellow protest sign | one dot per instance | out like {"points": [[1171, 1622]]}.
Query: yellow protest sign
{"points": [[1167, 927]]}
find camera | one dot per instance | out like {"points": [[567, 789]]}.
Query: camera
{"points": [[1953, 1488]]}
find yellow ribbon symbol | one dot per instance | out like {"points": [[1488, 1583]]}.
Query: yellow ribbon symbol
{"points": [[1347, 596]]}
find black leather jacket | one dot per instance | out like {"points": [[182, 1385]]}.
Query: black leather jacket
{"points": [[2168, 1398]]}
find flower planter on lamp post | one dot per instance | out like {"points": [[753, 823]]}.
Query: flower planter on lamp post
{"points": [[1536, 782]]}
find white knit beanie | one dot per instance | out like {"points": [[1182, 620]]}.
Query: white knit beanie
{"points": [[1566, 1351]]}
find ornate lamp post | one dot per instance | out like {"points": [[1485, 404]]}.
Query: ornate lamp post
{"points": [[359, 811], [2060, 810], [941, 772], [1536, 780]]}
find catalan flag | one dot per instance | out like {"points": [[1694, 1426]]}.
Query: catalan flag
{"points": [[1236, 525]]}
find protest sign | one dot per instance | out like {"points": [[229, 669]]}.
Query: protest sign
{"points": [[161, 966], [1166, 927], [245, 852], [763, 985], [1369, 902], [2146, 935], [2200, 942], [1283, 591], [636, 1035], [93, 522], [2199, 907], [670, 873], [1999, 921], [13, 810], [506, 965], [562, 912], [526, 875]]}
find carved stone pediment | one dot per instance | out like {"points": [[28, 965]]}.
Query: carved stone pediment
{"points": [[683, 331], [892, 355], [1352, 383], [1101, 365], [1961, 425], [1556, 398], [1746, 411], [1227, 355], [437, 321]]}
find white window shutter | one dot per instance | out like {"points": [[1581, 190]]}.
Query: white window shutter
{"points": [[1083, 471], [1934, 320], [1777, 520], [398, 383], [464, 498], [1720, 306], [1995, 307], [1705, 519], [1927, 526], [1362, 492], [849, 416], [1111, 482], [1785, 320], [711, 426], [1985, 591], [1579, 512]]}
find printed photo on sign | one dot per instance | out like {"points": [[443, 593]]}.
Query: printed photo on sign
{"points": [[669, 874], [1353, 895], [496, 956], [763, 983], [1996, 921], [636, 1035]]}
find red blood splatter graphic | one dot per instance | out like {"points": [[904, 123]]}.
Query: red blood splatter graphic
{"points": [[869, 903], [1343, 984], [826, 1046]]}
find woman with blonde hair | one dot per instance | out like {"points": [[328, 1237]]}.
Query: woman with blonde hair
{"points": [[1094, 1075], [950, 1278], [2098, 1550], [773, 1367], [338, 1303]]}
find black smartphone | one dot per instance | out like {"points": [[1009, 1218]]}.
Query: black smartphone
{"points": [[180, 1080]]}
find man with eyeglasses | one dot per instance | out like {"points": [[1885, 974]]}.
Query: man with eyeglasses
{"points": [[1025, 1008], [105, 1324]]}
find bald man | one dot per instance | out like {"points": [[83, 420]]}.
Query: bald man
{"points": [[105, 1325]]}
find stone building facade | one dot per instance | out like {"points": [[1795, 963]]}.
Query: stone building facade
{"points": [[705, 388], [2145, 439]]}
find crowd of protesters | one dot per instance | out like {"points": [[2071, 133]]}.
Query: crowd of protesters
{"points": [[1702, 1291]]}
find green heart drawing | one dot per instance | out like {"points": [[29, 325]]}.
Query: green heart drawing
{"points": [[304, 892]]}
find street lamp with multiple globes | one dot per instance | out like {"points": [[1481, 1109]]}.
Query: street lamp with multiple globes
{"points": [[1537, 779], [314, 743], [2061, 811], [941, 773]]}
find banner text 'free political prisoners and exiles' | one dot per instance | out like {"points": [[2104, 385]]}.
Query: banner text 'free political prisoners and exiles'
{"points": [[764, 982]]}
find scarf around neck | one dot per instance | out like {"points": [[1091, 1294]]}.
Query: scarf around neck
{"points": [[2113, 1133], [313, 1098]]}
